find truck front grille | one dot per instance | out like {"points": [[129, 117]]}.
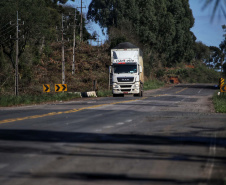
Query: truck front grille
{"points": [[125, 79], [125, 90], [125, 86]]}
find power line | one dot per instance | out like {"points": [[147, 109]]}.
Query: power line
{"points": [[6, 33], [4, 41], [4, 25], [6, 28]]}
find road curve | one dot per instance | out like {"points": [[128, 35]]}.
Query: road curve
{"points": [[170, 136]]}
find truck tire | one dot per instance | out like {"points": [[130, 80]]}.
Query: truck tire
{"points": [[140, 94]]}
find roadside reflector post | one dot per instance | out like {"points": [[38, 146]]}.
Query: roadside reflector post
{"points": [[221, 82], [94, 85]]}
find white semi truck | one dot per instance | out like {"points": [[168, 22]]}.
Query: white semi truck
{"points": [[126, 70]]}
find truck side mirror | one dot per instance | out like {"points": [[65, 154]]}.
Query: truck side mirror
{"points": [[140, 69], [110, 69]]}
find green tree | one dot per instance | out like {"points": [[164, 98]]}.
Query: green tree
{"points": [[223, 49], [162, 27], [37, 25], [39, 30], [217, 56], [201, 51]]}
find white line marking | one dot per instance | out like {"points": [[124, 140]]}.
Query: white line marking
{"points": [[211, 159], [108, 126], [98, 130], [120, 123], [199, 91], [128, 121], [3, 165]]}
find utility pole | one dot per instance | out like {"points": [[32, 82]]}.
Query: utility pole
{"points": [[17, 52], [74, 26], [62, 46], [81, 24], [99, 42], [17, 55], [63, 59]]}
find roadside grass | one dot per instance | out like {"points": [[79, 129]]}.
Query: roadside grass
{"points": [[10, 100], [148, 85], [104, 93], [153, 84], [219, 103]]}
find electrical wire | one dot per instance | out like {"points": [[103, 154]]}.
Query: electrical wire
{"points": [[6, 33], [4, 25], [6, 29], [4, 41]]}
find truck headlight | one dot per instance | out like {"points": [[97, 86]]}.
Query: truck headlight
{"points": [[136, 85], [115, 86]]}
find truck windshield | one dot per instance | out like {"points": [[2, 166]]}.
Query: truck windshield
{"points": [[125, 68]]}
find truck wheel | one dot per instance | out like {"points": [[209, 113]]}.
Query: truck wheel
{"points": [[140, 94], [141, 91]]}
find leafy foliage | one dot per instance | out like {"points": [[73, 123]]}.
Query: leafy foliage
{"points": [[161, 26], [36, 36], [153, 84], [222, 52]]}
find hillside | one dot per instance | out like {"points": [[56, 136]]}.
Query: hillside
{"points": [[91, 63], [162, 29]]}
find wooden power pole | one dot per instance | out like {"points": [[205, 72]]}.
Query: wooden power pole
{"points": [[81, 24], [63, 59], [74, 30], [17, 55]]}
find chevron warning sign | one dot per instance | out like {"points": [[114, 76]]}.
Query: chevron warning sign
{"points": [[60, 87], [46, 88], [223, 88]]}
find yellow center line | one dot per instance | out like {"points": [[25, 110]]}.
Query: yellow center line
{"points": [[169, 94], [181, 90], [160, 95], [64, 112]]}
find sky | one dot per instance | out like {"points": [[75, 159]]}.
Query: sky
{"points": [[209, 33]]}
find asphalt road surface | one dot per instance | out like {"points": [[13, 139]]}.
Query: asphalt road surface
{"points": [[170, 136]]}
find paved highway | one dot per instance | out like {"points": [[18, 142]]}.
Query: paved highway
{"points": [[170, 136]]}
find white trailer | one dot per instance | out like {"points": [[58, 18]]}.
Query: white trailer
{"points": [[126, 70]]}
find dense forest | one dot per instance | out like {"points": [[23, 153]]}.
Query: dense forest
{"points": [[160, 27]]}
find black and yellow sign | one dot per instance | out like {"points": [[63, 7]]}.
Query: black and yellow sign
{"points": [[46, 88], [223, 88], [221, 82], [60, 87]]}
